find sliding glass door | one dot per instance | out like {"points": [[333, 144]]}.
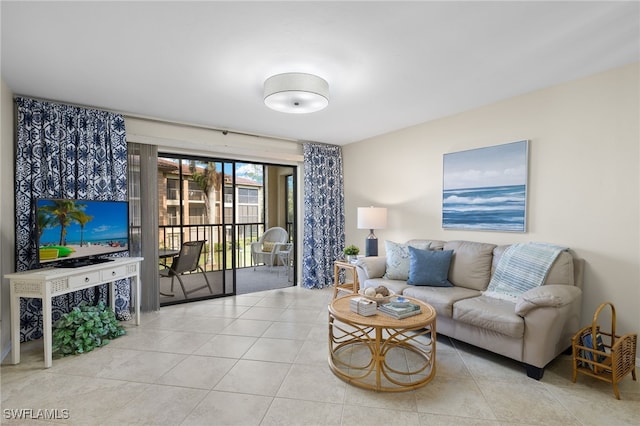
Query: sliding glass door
{"points": [[229, 205]]}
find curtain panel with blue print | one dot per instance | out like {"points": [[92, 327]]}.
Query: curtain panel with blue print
{"points": [[323, 213], [64, 151]]}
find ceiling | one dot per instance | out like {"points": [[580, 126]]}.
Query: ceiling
{"points": [[389, 65]]}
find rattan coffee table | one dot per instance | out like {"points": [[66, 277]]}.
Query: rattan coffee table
{"points": [[379, 352]]}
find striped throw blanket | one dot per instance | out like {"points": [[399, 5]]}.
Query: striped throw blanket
{"points": [[521, 268]]}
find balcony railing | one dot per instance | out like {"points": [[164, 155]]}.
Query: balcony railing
{"points": [[218, 252]]}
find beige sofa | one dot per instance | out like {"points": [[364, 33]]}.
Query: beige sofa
{"points": [[533, 329]]}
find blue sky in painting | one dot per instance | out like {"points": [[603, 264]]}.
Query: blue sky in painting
{"points": [[498, 165]]}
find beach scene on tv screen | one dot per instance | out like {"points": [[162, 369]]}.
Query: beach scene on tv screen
{"points": [[70, 229]]}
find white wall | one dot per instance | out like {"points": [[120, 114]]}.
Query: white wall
{"points": [[584, 187], [7, 212]]}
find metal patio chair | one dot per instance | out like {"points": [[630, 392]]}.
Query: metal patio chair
{"points": [[187, 261]]}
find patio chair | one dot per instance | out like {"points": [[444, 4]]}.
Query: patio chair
{"points": [[187, 261], [264, 250]]}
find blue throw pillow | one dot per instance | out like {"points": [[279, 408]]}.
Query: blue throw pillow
{"points": [[429, 267]]}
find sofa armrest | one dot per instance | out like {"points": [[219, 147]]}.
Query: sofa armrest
{"points": [[553, 296], [371, 267]]}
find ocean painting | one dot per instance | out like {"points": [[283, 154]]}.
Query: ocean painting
{"points": [[486, 188]]}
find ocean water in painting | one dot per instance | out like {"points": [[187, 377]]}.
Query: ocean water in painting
{"points": [[500, 208]]}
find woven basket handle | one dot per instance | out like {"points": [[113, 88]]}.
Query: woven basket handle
{"points": [[594, 324]]}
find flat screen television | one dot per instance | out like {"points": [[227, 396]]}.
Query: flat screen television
{"points": [[72, 233]]}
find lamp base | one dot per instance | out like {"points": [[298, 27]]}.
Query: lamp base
{"points": [[371, 245]]}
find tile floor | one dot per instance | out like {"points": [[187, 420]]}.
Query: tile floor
{"points": [[261, 359]]}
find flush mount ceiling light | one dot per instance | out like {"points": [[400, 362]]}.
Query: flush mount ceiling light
{"points": [[296, 93]]}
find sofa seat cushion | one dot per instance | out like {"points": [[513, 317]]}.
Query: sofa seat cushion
{"points": [[441, 298], [396, 286], [491, 314]]}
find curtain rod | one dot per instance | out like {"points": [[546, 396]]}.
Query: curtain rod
{"points": [[159, 120]]}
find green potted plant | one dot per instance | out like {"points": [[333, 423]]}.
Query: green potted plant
{"points": [[351, 252], [85, 328]]}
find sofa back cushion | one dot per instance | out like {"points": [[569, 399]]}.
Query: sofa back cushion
{"points": [[432, 244], [561, 272], [470, 264]]}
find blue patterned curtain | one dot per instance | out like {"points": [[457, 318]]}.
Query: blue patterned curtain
{"points": [[323, 213], [64, 151]]}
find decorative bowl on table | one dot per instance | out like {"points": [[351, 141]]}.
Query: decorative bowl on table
{"points": [[379, 298]]}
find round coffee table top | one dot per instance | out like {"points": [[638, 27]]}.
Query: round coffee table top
{"points": [[340, 309]]}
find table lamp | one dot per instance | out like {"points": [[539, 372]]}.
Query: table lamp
{"points": [[372, 218]]}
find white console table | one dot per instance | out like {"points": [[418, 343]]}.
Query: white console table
{"points": [[49, 282]]}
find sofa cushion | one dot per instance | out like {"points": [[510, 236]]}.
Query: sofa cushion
{"points": [[428, 267], [522, 267], [372, 266], [470, 264], [441, 298], [491, 314], [397, 265], [433, 244], [561, 272]]}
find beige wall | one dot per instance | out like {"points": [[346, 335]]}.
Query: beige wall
{"points": [[178, 138], [584, 175], [7, 211]]}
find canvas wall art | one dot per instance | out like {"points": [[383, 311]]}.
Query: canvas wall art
{"points": [[486, 188]]}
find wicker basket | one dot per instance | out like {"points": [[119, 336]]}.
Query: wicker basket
{"points": [[604, 355]]}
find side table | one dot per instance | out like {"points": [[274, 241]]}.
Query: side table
{"points": [[351, 284]]}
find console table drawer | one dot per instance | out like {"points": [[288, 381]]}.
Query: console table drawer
{"points": [[84, 279], [113, 273]]}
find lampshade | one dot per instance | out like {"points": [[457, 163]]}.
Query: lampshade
{"points": [[372, 217], [296, 93]]}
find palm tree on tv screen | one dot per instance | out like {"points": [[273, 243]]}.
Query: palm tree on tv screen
{"points": [[45, 221], [62, 212], [82, 218]]}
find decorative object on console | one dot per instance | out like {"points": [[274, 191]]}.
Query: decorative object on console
{"points": [[296, 93], [486, 188], [372, 218]]}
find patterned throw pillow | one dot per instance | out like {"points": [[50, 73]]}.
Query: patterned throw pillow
{"points": [[267, 246], [398, 260]]}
